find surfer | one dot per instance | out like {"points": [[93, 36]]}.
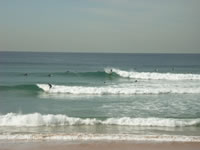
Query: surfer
{"points": [[110, 71], [49, 75], [50, 86]]}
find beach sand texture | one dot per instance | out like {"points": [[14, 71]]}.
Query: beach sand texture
{"points": [[23, 145]]}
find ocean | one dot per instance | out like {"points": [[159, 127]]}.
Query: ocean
{"points": [[99, 96]]}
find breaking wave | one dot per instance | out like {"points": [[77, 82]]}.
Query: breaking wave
{"points": [[152, 75], [37, 119], [118, 90]]}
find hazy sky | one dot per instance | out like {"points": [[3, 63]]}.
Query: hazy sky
{"points": [[144, 26]]}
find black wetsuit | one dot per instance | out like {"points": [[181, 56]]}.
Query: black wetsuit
{"points": [[50, 86]]}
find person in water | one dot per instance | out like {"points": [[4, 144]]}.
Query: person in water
{"points": [[110, 73], [26, 74], [50, 86]]}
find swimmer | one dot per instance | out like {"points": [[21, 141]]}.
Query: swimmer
{"points": [[26, 74]]}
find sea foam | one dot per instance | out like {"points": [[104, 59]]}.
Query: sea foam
{"points": [[37, 119], [101, 137], [152, 75], [121, 89]]}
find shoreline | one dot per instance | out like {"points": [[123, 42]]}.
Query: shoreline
{"points": [[99, 137], [92, 145]]}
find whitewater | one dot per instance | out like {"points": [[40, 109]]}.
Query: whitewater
{"points": [[152, 75], [125, 90], [37, 119]]}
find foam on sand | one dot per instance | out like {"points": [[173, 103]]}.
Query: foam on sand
{"points": [[101, 137]]}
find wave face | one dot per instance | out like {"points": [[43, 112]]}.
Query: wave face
{"points": [[29, 87], [120, 90], [152, 75], [89, 74], [37, 119]]}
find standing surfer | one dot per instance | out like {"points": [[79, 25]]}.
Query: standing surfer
{"points": [[50, 85]]}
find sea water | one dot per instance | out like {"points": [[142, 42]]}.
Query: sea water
{"points": [[99, 96]]}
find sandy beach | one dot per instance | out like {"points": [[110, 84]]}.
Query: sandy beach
{"points": [[105, 145]]}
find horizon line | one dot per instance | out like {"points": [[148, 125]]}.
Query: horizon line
{"points": [[96, 52]]}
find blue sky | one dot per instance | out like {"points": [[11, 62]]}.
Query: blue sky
{"points": [[134, 26]]}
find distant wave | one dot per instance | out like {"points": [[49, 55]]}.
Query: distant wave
{"points": [[118, 90], [152, 75], [115, 73], [95, 74], [37, 119]]}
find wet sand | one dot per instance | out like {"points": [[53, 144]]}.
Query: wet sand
{"points": [[114, 145]]}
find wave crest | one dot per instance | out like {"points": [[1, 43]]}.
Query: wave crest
{"points": [[152, 75], [37, 119], [118, 90]]}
